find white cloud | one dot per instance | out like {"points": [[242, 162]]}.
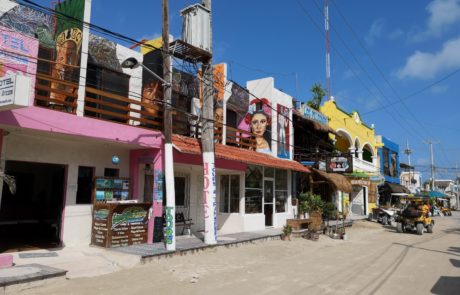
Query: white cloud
{"points": [[375, 31], [423, 65], [443, 14]]}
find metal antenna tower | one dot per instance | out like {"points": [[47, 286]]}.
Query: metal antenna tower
{"points": [[328, 49]]}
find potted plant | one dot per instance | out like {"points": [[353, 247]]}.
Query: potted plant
{"points": [[303, 209], [311, 203], [287, 231]]}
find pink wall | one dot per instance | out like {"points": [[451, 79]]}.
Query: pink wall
{"points": [[43, 119], [154, 157], [1, 141]]}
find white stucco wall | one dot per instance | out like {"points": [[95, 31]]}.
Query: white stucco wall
{"points": [[71, 152]]}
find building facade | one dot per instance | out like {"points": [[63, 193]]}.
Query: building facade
{"points": [[355, 137]]}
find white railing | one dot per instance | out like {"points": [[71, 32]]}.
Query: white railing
{"points": [[364, 166]]}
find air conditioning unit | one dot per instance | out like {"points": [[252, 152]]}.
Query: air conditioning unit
{"points": [[196, 26]]}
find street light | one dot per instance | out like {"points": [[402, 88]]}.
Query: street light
{"points": [[132, 63]]}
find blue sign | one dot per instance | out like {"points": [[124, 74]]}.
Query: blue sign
{"points": [[314, 115]]}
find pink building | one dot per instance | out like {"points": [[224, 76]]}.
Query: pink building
{"points": [[86, 149]]}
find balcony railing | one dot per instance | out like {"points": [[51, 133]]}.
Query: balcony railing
{"points": [[117, 108], [235, 137], [56, 94], [363, 165]]}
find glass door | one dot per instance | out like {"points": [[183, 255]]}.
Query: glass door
{"points": [[268, 201]]}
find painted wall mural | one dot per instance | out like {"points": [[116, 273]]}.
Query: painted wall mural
{"points": [[18, 55], [258, 121], [68, 36], [60, 39], [283, 132]]}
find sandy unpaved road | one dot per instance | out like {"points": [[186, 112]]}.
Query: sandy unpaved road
{"points": [[375, 260]]}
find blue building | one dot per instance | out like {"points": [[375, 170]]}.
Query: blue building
{"points": [[390, 190], [389, 160]]}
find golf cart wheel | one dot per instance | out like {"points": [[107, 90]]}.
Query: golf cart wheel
{"points": [[419, 228], [429, 228], [399, 227], [385, 220]]}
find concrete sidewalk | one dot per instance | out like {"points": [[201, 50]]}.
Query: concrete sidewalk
{"points": [[88, 261]]}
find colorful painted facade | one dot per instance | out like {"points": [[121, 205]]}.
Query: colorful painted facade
{"points": [[358, 139]]}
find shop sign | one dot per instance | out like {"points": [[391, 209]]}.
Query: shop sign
{"points": [[378, 179], [363, 182], [14, 92], [314, 115], [339, 164]]}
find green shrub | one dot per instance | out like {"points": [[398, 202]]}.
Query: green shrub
{"points": [[310, 202]]}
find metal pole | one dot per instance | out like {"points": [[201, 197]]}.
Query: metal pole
{"points": [[170, 210], [432, 166], [207, 144]]}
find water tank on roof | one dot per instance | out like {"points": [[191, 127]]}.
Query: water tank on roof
{"points": [[196, 26]]}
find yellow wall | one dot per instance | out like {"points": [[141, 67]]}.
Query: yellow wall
{"points": [[351, 124]]}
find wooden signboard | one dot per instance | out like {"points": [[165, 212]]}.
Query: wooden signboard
{"points": [[118, 224]]}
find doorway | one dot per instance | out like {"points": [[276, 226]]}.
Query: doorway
{"points": [[31, 218], [268, 201]]}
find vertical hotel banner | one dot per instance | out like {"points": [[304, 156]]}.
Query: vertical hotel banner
{"points": [[283, 132], [18, 55]]}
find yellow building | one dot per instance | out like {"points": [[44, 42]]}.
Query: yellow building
{"points": [[355, 137]]}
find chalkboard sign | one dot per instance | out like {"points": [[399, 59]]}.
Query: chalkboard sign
{"points": [[157, 229]]}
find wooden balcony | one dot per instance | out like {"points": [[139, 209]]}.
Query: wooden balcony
{"points": [[117, 108], [56, 94], [235, 137]]}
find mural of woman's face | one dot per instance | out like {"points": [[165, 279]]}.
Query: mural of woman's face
{"points": [[259, 124]]}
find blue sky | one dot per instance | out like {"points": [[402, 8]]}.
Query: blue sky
{"points": [[384, 57]]}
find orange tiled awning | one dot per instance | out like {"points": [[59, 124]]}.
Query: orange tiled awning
{"points": [[189, 145]]}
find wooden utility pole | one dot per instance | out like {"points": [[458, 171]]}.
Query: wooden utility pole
{"points": [[170, 210], [207, 144]]}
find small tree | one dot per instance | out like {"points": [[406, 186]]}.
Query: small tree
{"points": [[318, 95]]}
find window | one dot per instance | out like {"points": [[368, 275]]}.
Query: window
{"points": [[393, 169], [253, 191], [179, 188], [386, 161], [254, 175], [253, 199], [229, 194], [281, 190], [269, 172], [85, 184]]}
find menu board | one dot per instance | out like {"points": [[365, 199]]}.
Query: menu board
{"points": [[117, 225], [111, 189]]}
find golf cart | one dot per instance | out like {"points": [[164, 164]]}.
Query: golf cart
{"points": [[386, 214], [413, 219]]}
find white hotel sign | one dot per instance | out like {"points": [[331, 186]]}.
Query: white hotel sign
{"points": [[14, 92]]}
